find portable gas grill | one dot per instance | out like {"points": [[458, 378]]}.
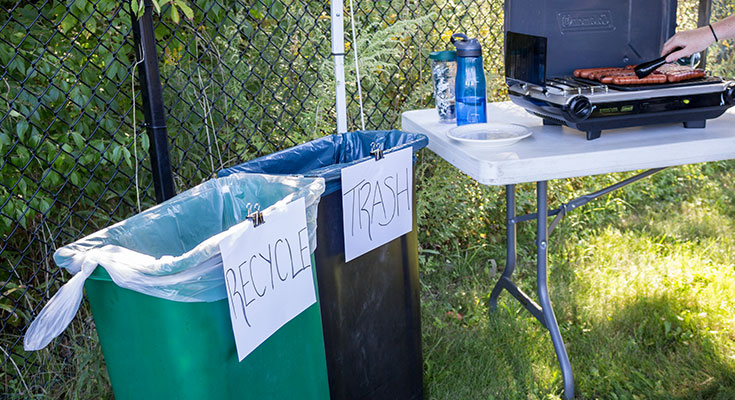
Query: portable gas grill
{"points": [[544, 48]]}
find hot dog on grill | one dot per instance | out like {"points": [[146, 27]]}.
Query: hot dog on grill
{"points": [[586, 72], [625, 76], [634, 80], [674, 77]]}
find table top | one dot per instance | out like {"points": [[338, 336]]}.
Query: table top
{"points": [[554, 152]]}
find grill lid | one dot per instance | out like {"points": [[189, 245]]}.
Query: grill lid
{"points": [[593, 33]]}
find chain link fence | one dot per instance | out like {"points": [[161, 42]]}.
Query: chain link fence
{"points": [[240, 79]]}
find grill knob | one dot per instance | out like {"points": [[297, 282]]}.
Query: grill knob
{"points": [[578, 109], [730, 94]]}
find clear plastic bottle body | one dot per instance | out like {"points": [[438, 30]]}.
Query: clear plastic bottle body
{"points": [[443, 74], [471, 97]]}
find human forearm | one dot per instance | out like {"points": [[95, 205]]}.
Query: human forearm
{"points": [[725, 28], [696, 40]]}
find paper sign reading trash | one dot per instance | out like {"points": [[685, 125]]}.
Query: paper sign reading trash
{"points": [[268, 274], [377, 197]]}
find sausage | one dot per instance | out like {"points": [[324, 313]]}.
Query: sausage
{"points": [[606, 77], [625, 76], [634, 80], [674, 77], [586, 72]]}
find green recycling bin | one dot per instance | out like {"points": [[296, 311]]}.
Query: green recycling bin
{"points": [[167, 333]]}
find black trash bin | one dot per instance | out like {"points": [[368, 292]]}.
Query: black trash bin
{"points": [[370, 306]]}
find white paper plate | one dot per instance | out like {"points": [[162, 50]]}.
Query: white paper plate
{"points": [[491, 134]]}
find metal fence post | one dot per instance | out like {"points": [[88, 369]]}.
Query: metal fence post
{"points": [[152, 94], [703, 17]]}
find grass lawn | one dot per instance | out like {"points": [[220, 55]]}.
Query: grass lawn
{"points": [[642, 283]]}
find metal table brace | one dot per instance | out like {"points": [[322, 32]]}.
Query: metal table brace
{"points": [[544, 313]]}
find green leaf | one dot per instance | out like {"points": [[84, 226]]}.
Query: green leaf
{"points": [[5, 55], [54, 94], [7, 307], [21, 128], [74, 177], [15, 114], [144, 143], [174, 14], [68, 22], [116, 154], [111, 71], [35, 138], [157, 7], [127, 157], [44, 205], [188, 12], [78, 139], [91, 25], [256, 13], [79, 4]]}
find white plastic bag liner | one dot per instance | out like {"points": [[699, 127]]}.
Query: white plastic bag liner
{"points": [[171, 250]]}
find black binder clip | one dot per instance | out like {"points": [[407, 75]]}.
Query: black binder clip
{"points": [[376, 150], [255, 215]]}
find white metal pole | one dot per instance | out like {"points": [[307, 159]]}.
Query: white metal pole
{"points": [[338, 51]]}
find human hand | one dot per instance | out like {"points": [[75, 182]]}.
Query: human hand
{"points": [[689, 42]]}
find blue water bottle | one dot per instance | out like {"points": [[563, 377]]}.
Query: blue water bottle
{"points": [[470, 82]]}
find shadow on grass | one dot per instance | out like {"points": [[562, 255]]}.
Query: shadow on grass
{"points": [[646, 349]]}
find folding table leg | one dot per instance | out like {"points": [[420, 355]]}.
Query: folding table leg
{"points": [[543, 292], [510, 247]]}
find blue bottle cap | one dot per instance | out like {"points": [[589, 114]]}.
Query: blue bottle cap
{"points": [[466, 47]]}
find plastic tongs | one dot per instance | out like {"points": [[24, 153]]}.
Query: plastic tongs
{"points": [[646, 68]]}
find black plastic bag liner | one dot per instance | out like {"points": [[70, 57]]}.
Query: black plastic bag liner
{"points": [[325, 157]]}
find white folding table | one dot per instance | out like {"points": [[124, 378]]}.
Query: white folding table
{"points": [[555, 152]]}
